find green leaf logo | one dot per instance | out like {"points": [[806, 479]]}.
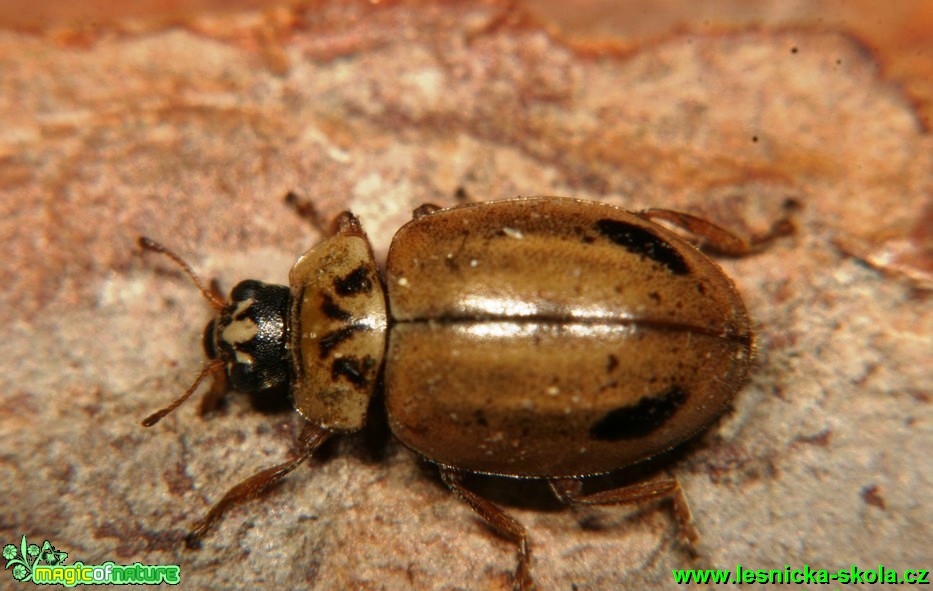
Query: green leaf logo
{"points": [[24, 559]]}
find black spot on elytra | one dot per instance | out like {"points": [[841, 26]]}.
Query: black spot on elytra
{"points": [[612, 363], [332, 310], [350, 368], [642, 241], [480, 417], [356, 281], [332, 339], [641, 419]]}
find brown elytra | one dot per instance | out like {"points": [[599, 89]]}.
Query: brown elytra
{"points": [[553, 337]]}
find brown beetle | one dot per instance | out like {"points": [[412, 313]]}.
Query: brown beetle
{"points": [[545, 337]]}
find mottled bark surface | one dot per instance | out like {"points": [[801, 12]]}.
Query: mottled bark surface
{"points": [[193, 136]]}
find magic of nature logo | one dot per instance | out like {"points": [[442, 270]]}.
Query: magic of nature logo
{"points": [[45, 565]]}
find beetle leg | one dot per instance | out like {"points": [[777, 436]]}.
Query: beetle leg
{"points": [[423, 210], [716, 237], [312, 436], [504, 524], [570, 491], [215, 393], [305, 208]]}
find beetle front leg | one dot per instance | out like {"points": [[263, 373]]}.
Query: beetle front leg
{"points": [[570, 491], [343, 222], [716, 237], [312, 436], [211, 400], [504, 524]]}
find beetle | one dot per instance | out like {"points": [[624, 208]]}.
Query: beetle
{"points": [[543, 338]]}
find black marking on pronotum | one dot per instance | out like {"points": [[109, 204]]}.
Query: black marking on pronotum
{"points": [[642, 241], [356, 281], [332, 310], [350, 368], [332, 339], [641, 419]]}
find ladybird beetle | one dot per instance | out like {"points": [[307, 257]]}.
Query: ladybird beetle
{"points": [[545, 337]]}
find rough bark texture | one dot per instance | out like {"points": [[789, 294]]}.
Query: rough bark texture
{"points": [[192, 137]]}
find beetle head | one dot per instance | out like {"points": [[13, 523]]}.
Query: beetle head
{"points": [[248, 335], [246, 339]]}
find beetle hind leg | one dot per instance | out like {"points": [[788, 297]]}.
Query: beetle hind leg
{"points": [[312, 436], [504, 524], [716, 237], [570, 492]]}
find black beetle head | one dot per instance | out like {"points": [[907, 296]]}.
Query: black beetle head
{"points": [[249, 334], [246, 338]]}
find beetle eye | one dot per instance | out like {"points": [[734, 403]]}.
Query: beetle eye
{"points": [[210, 349]]}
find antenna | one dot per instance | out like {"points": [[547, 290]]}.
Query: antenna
{"points": [[215, 365], [148, 244], [210, 369]]}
